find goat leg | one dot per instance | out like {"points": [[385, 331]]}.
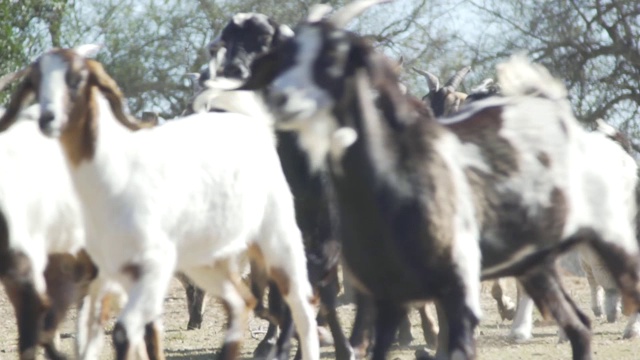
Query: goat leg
{"points": [[404, 331], [267, 347], [544, 287], [388, 318], [328, 302], [429, 326], [28, 304], [362, 332]]}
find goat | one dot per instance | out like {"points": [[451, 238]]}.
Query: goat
{"points": [[597, 275], [611, 142], [420, 199], [202, 207], [43, 265], [246, 37], [444, 100]]}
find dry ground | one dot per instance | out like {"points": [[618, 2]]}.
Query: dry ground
{"points": [[492, 344]]}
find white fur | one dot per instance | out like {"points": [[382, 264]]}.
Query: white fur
{"points": [[36, 196], [192, 195], [620, 171]]}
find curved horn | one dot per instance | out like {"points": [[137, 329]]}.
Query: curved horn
{"points": [[457, 78], [25, 90], [11, 77], [111, 91], [317, 12], [344, 15], [432, 80]]}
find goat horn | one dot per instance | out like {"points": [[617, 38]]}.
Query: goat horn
{"points": [[317, 12], [432, 80], [343, 16], [457, 78], [11, 77]]}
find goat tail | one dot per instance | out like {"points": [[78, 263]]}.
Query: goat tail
{"points": [[518, 76]]}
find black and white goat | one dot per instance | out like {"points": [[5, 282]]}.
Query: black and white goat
{"points": [[203, 206], [421, 200], [444, 100], [246, 37]]}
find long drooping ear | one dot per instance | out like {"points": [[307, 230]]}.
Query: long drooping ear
{"points": [[11, 77], [263, 71], [24, 93], [99, 78]]}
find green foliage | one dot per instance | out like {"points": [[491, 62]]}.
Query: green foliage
{"points": [[149, 45]]}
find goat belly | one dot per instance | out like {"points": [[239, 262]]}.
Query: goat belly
{"points": [[405, 267]]}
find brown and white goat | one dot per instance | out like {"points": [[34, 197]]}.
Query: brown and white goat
{"points": [[420, 200], [203, 206], [43, 265]]}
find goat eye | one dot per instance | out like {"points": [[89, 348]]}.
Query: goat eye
{"points": [[73, 80]]}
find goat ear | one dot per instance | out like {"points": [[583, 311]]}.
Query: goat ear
{"points": [[263, 71], [99, 78], [24, 92], [87, 50], [283, 33]]}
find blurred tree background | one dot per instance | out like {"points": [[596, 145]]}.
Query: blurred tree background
{"points": [[149, 45]]}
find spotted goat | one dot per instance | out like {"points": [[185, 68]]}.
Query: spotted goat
{"points": [[420, 200]]}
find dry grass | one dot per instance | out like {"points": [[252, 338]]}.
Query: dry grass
{"points": [[492, 343]]}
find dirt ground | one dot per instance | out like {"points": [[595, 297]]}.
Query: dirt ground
{"points": [[181, 344]]}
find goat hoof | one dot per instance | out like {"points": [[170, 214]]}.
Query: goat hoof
{"points": [[597, 311], [519, 336], [423, 354], [324, 336], [631, 333], [266, 349], [194, 325], [562, 337]]}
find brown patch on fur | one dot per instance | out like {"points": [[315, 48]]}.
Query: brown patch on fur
{"points": [[78, 139], [153, 342], [544, 159], [558, 213], [132, 270], [281, 278], [230, 351], [482, 130], [105, 308], [79, 136], [314, 300], [87, 269]]}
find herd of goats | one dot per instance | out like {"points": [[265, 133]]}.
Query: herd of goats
{"points": [[301, 151]]}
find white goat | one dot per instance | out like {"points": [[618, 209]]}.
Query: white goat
{"points": [[200, 206], [43, 234]]}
